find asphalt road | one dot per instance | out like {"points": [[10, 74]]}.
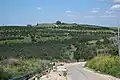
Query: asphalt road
{"points": [[77, 72]]}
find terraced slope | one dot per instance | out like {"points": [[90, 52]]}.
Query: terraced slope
{"points": [[47, 39]]}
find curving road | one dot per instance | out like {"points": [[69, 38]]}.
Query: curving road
{"points": [[77, 72]]}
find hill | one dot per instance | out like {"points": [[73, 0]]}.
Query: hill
{"points": [[47, 40]]}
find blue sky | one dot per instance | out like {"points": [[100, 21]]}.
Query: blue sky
{"points": [[22, 12]]}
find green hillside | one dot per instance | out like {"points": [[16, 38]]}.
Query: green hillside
{"points": [[48, 40]]}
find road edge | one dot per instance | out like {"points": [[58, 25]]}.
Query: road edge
{"points": [[101, 74]]}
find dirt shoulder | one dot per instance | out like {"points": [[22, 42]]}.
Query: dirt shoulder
{"points": [[53, 76]]}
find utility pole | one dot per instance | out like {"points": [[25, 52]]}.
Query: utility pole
{"points": [[118, 41]]}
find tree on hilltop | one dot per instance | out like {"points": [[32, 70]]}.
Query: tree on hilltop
{"points": [[58, 22]]}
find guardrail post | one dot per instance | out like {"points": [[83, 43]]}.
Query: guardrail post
{"points": [[37, 78], [27, 77]]}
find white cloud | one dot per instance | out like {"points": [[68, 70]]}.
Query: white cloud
{"points": [[115, 7], [68, 12], [102, 0], [69, 15], [72, 17], [116, 1], [110, 12], [89, 16], [108, 16], [95, 10], [39, 8]]}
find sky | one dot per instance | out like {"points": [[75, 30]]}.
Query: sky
{"points": [[23, 12]]}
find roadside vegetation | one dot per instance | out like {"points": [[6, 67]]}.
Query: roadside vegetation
{"points": [[15, 67], [105, 64], [4, 75]]}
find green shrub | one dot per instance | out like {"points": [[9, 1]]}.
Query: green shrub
{"points": [[4, 75], [105, 64], [25, 66]]}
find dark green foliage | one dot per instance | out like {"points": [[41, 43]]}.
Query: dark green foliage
{"points": [[114, 52], [4, 75], [58, 22], [49, 39], [29, 25], [84, 51], [77, 56]]}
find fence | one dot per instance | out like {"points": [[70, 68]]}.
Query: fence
{"points": [[32, 75], [38, 76], [25, 77]]}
